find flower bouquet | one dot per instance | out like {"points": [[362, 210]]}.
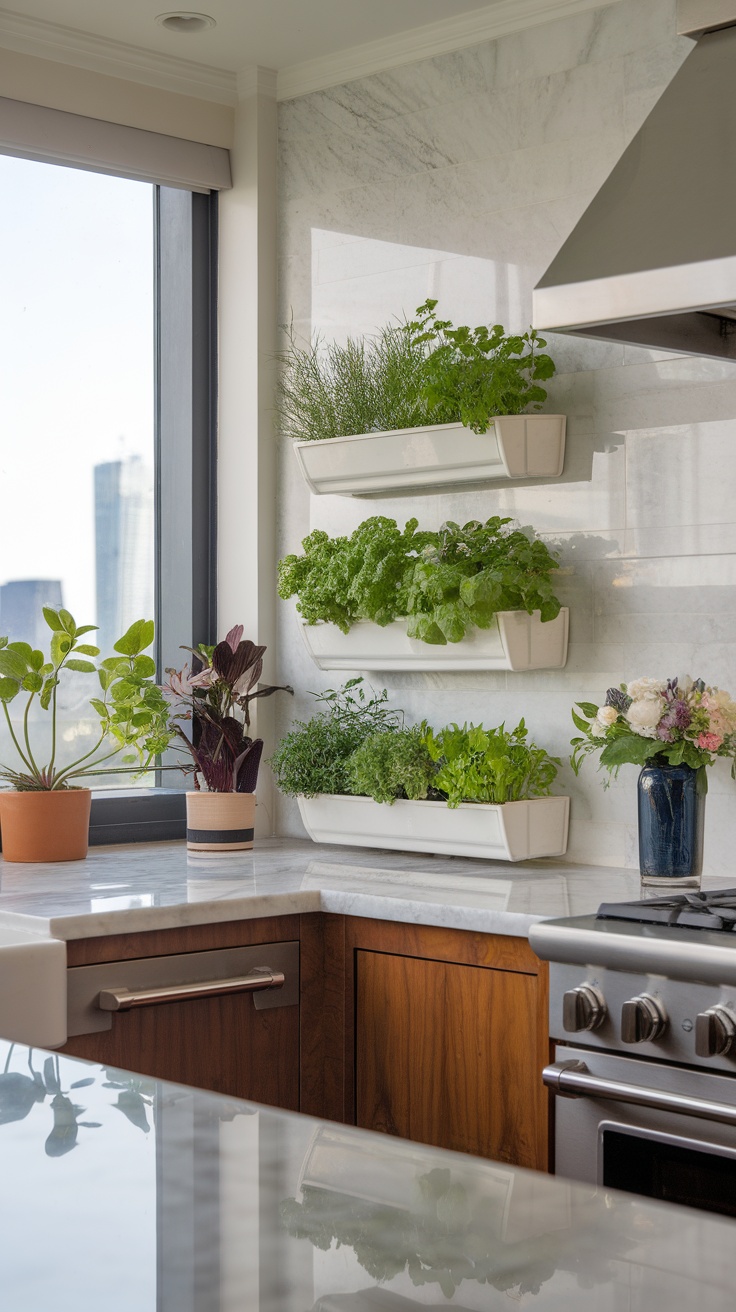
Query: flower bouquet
{"points": [[213, 700], [673, 729]]}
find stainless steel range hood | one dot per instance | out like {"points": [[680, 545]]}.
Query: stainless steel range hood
{"points": [[653, 259]]}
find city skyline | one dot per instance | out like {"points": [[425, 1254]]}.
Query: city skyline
{"points": [[123, 555]]}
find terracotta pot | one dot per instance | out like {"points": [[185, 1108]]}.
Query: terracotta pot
{"points": [[220, 822], [49, 826]]}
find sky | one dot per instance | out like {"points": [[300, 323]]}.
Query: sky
{"points": [[76, 361]]}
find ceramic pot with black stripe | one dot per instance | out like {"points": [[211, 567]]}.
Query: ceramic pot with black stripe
{"points": [[220, 822]]}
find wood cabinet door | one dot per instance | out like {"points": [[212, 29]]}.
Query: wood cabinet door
{"points": [[449, 1054], [220, 1043]]}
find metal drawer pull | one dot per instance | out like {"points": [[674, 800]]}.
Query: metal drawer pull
{"points": [[572, 1079], [126, 999]]}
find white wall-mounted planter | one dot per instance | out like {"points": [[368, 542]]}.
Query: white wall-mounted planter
{"points": [[516, 831], [516, 641], [441, 455]]}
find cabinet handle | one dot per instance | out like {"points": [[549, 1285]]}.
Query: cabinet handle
{"points": [[125, 999]]}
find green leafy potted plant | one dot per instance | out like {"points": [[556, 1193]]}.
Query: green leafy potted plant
{"points": [[210, 718], [44, 813], [476, 597], [362, 777], [420, 404]]}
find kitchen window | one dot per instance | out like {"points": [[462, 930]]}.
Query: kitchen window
{"points": [[107, 337]]}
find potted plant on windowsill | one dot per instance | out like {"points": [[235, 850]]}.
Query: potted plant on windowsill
{"points": [[477, 597], [44, 813], [420, 405], [363, 778], [213, 699]]}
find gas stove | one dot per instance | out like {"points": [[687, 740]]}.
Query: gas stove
{"points": [[643, 1018], [713, 909]]}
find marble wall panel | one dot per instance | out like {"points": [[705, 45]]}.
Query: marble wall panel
{"points": [[459, 177]]}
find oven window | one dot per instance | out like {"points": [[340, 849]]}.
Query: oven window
{"points": [[692, 1178]]}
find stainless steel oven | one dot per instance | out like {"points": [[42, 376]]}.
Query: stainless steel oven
{"points": [[643, 1019], [645, 1127]]}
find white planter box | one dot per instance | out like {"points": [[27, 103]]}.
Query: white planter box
{"points": [[516, 641], [515, 831], [441, 455]]}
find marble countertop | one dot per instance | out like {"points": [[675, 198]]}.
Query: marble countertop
{"points": [[150, 886], [160, 885], [127, 1193]]}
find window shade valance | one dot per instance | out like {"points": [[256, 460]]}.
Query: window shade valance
{"points": [[55, 137]]}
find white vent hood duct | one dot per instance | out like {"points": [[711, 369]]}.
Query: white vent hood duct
{"points": [[653, 259]]}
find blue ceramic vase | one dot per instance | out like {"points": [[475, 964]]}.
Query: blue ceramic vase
{"points": [[671, 818]]}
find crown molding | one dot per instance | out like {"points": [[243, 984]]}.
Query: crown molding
{"points": [[432, 39], [256, 81], [67, 45]]}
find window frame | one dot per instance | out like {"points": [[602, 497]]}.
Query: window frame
{"points": [[185, 350], [185, 233]]}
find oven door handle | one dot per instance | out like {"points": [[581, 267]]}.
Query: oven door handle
{"points": [[572, 1079]]}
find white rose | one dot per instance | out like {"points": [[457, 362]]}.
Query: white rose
{"points": [[644, 715], [607, 715], [639, 688], [597, 729]]}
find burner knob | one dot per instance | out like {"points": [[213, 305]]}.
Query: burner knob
{"points": [[715, 1031], [583, 1008], [643, 1019]]}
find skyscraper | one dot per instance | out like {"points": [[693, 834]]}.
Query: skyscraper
{"points": [[124, 547], [21, 614]]}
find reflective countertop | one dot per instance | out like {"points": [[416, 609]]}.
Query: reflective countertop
{"points": [[131, 1195], [160, 885]]}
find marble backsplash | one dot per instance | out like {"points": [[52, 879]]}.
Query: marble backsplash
{"points": [[459, 177]]}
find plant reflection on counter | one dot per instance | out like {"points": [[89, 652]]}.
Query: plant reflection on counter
{"points": [[451, 1233], [19, 1093]]}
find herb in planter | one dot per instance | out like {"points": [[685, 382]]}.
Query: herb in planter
{"points": [[489, 765], [444, 583], [358, 747], [313, 757], [410, 374], [478, 372], [369, 385], [391, 765]]}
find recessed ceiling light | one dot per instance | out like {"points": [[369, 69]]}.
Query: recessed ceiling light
{"points": [[181, 21]]}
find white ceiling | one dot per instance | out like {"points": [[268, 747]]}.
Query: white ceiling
{"points": [[311, 43], [272, 33]]}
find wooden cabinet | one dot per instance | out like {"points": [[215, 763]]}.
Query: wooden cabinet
{"points": [[443, 1055], [434, 1035], [222, 1043]]}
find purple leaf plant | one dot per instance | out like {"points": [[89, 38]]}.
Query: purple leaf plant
{"points": [[213, 701]]}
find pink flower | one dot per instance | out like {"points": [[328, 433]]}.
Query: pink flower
{"points": [[710, 742]]}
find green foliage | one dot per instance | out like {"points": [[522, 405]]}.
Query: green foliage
{"points": [[409, 374], [366, 386], [478, 372], [391, 765], [133, 713], [444, 582], [358, 747], [314, 756], [489, 765]]}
